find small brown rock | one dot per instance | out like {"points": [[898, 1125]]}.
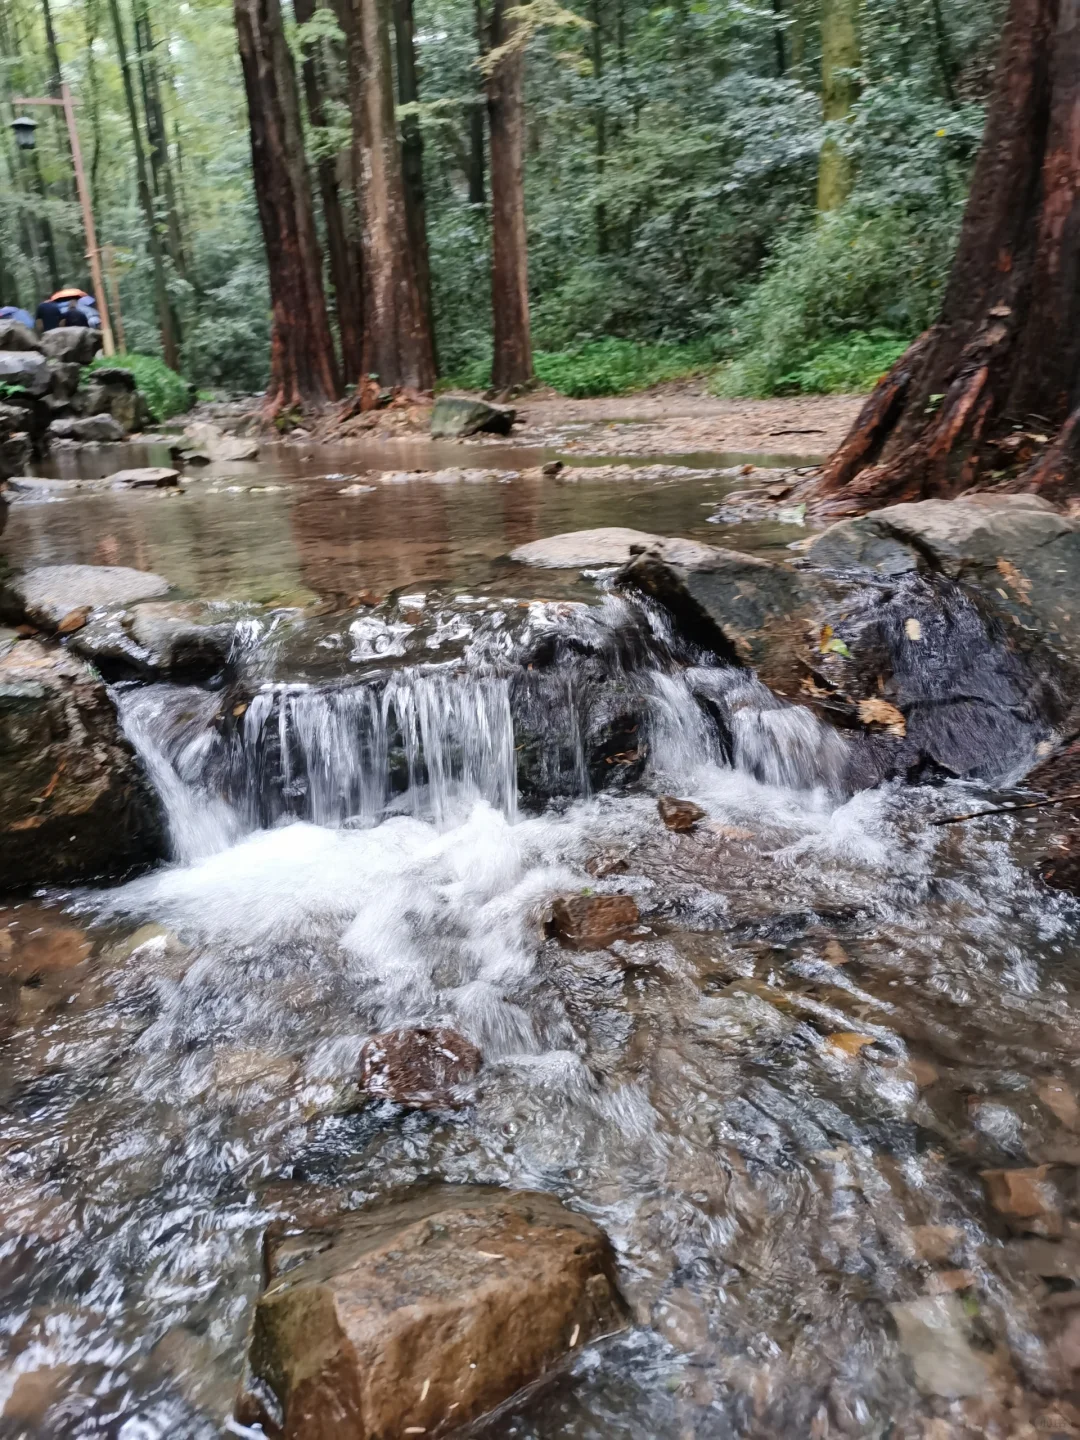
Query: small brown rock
{"points": [[74, 620], [835, 953], [1026, 1199], [607, 864], [591, 922], [679, 815], [422, 1068], [935, 1243], [944, 1282], [1061, 1101]]}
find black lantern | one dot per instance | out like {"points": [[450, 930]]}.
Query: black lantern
{"points": [[24, 129]]}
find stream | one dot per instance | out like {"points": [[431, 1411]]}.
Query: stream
{"points": [[777, 1102]]}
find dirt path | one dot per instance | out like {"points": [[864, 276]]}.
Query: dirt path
{"points": [[678, 419]]}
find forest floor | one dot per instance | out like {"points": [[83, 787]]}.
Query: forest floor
{"points": [[682, 417]]}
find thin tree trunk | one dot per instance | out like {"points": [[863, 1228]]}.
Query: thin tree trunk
{"points": [[146, 199], [155, 125], [342, 253], [778, 38], [412, 156], [599, 124], [944, 51], [512, 363], [27, 171], [397, 337], [1006, 349], [301, 347], [477, 111], [840, 59]]}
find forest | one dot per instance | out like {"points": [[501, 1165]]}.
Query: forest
{"points": [[768, 194]]}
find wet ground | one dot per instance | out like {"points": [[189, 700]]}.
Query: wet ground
{"points": [[790, 1102]]}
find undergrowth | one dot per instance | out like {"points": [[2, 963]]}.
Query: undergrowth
{"points": [[166, 392], [600, 367]]}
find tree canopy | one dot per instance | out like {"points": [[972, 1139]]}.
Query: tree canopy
{"points": [[672, 158]]}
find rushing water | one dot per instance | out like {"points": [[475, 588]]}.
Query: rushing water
{"points": [[839, 1015]]}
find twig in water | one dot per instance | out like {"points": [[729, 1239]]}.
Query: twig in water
{"points": [[1006, 809]]}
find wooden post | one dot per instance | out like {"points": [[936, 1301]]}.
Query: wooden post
{"points": [[92, 252]]}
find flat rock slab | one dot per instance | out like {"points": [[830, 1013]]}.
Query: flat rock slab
{"points": [[422, 1314], [159, 637], [44, 596], [458, 416], [608, 545], [149, 477], [203, 439], [88, 429]]}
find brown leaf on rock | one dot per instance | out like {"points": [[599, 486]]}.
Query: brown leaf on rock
{"points": [[880, 712], [849, 1042]]}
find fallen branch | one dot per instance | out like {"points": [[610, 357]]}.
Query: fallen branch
{"points": [[1006, 809]]}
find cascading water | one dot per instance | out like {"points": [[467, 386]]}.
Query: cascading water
{"points": [[834, 1016]]}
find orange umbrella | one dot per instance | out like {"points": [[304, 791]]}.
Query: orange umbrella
{"points": [[72, 293]]}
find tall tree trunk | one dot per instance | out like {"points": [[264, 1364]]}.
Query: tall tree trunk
{"points": [[840, 59], [158, 136], [599, 123], [512, 363], [779, 44], [27, 171], [412, 156], [477, 116], [301, 347], [146, 199], [56, 79], [342, 252], [397, 337], [1006, 349]]}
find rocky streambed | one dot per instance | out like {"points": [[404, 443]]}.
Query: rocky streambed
{"points": [[543, 999]]}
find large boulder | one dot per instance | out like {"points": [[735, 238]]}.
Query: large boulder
{"points": [[420, 1315], [74, 803], [1016, 550], [65, 379], [186, 638], [76, 343], [206, 442], [87, 429], [453, 417], [112, 391], [47, 594], [913, 662], [26, 369], [14, 336]]}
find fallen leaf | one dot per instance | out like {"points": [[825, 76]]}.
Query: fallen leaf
{"points": [[850, 1042], [880, 712], [73, 620], [912, 629], [837, 647], [1013, 578]]}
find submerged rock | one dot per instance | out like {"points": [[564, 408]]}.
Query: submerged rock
{"points": [[934, 1335], [608, 545], [1016, 550], [148, 477], [418, 1316], [679, 815], [74, 803], [456, 416], [45, 595], [423, 1069], [592, 922]]}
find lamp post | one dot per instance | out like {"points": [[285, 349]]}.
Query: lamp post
{"points": [[24, 134]]}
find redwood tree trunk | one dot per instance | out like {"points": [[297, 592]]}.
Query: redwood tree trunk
{"points": [[512, 359], [397, 336], [301, 348], [342, 250], [1005, 352], [412, 154]]}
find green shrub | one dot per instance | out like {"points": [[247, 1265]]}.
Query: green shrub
{"points": [[837, 303], [166, 392], [601, 367]]}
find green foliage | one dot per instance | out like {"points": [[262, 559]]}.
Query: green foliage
{"points": [[835, 302], [166, 393], [600, 367]]}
